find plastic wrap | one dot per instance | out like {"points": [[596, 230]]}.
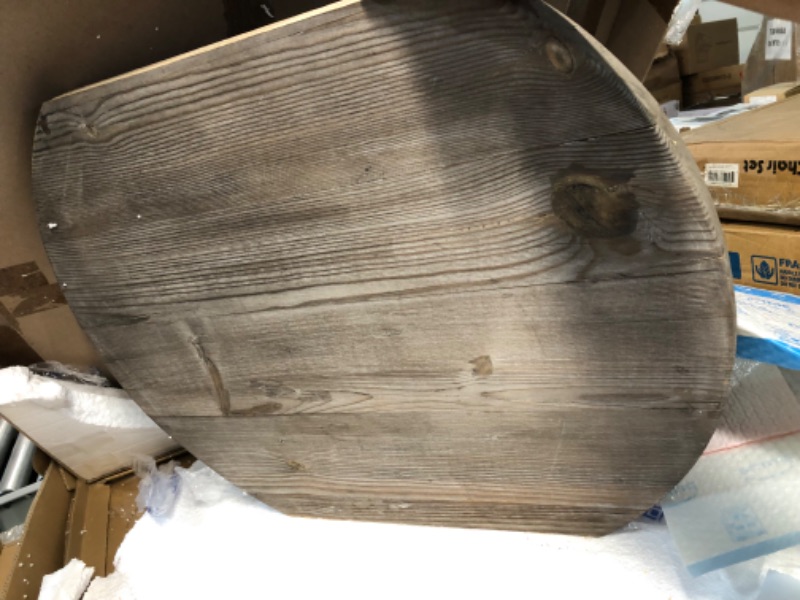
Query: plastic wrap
{"points": [[779, 586], [739, 501], [158, 488], [56, 370], [768, 326], [12, 535], [681, 19]]}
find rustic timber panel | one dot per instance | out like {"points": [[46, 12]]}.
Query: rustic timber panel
{"points": [[438, 263]]}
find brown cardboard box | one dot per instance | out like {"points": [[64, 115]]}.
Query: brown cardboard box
{"points": [[673, 91], [760, 72], [752, 163], [773, 93], [707, 46], [764, 256], [663, 80], [632, 30], [68, 519], [663, 72], [704, 87], [41, 550], [48, 47]]}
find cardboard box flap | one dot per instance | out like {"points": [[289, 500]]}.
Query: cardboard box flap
{"points": [[662, 73], [87, 535], [41, 550], [771, 123], [708, 46]]}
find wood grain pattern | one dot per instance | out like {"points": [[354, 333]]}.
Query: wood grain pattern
{"points": [[439, 263]]}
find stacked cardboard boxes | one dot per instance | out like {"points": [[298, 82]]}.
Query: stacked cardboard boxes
{"points": [[751, 164], [708, 60]]}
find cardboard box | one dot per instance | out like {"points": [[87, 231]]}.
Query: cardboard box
{"points": [[663, 80], [773, 93], [751, 163], [762, 71], [674, 91], [49, 47], [25, 562], [633, 29], [68, 519], [764, 256], [705, 87], [708, 46], [663, 72]]}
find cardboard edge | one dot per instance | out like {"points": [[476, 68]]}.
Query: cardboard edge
{"points": [[41, 550]]}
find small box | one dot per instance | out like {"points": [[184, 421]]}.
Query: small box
{"points": [[764, 256], [707, 86], [708, 46]]}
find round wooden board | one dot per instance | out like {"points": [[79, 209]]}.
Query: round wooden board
{"points": [[424, 262]]}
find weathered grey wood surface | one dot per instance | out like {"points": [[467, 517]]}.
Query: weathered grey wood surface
{"points": [[431, 262]]}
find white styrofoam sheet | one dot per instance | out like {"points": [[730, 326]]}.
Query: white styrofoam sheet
{"points": [[218, 542]]}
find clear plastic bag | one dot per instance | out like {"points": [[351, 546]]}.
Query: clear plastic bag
{"points": [[739, 501], [158, 488]]}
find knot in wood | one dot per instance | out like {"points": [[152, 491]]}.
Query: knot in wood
{"points": [[559, 55], [594, 207]]}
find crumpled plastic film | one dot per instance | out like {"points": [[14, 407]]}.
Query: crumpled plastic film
{"points": [[768, 326], [158, 488], [740, 501], [779, 586], [681, 19]]}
